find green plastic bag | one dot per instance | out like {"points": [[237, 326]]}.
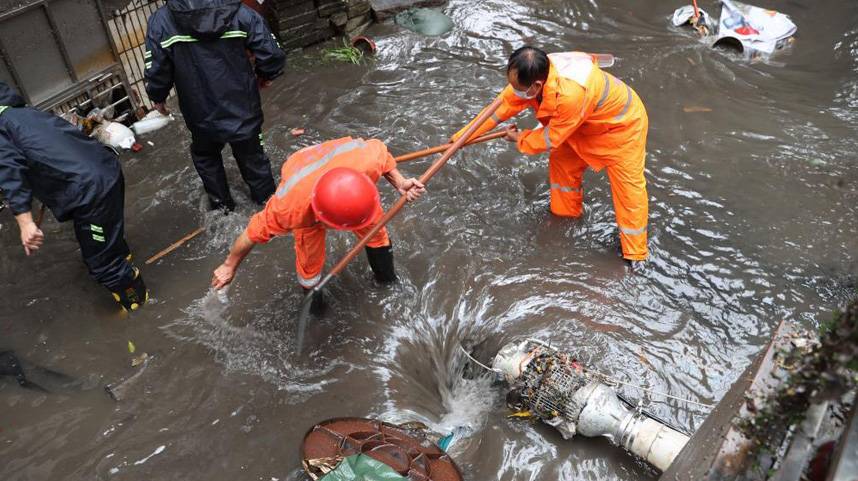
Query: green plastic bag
{"points": [[424, 21], [362, 468]]}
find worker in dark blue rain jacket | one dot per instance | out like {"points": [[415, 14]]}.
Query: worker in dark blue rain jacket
{"points": [[217, 53], [77, 178]]}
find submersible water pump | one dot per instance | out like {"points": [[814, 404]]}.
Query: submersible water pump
{"points": [[556, 388]]}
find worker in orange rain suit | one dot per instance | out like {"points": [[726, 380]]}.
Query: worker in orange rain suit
{"points": [[589, 119], [327, 185]]}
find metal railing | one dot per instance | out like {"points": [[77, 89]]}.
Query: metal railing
{"points": [[127, 29]]}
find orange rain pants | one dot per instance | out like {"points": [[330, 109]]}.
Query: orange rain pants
{"points": [[589, 119], [289, 209]]}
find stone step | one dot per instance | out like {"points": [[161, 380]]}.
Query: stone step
{"points": [[383, 9], [297, 8], [306, 35], [329, 7], [298, 20]]}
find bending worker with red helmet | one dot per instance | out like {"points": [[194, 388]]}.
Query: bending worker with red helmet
{"points": [[330, 185], [589, 119]]}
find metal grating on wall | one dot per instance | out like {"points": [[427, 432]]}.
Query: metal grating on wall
{"points": [[127, 27]]}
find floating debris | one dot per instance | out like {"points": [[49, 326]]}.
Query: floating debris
{"points": [[695, 108], [365, 44], [753, 31], [114, 134], [346, 53], [424, 21], [119, 390], [138, 360]]}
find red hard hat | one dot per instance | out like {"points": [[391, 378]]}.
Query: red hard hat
{"points": [[345, 199]]}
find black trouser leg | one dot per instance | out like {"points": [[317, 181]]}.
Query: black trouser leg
{"points": [[209, 164], [255, 167], [100, 231], [381, 263]]}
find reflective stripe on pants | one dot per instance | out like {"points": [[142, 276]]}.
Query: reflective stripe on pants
{"points": [[628, 190], [631, 205], [100, 231], [565, 174]]}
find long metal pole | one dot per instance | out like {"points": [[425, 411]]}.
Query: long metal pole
{"points": [[401, 158], [441, 148], [400, 203]]}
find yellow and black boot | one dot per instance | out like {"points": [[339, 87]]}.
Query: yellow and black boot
{"points": [[135, 295]]}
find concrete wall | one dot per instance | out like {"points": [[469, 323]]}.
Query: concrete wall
{"points": [[305, 22]]}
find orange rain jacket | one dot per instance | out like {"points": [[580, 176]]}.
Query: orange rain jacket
{"points": [[289, 209], [589, 118], [599, 116]]}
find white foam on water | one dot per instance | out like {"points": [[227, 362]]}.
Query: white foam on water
{"points": [[247, 349], [467, 403]]}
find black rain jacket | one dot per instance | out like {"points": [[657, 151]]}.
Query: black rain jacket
{"points": [[201, 47], [44, 156]]}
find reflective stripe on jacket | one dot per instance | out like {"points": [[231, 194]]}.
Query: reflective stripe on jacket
{"points": [[201, 47], [601, 118], [289, 208]]}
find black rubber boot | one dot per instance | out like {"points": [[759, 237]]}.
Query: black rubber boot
{"points": [[135, 295], [317, 305], [227, 206], [381, 263]]}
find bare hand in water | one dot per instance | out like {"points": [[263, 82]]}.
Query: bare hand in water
{"points": [[223, 275]]}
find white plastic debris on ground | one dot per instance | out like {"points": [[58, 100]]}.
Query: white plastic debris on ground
{"points": [[153, 121], [114, 135], [683, 15], [758, 30]]}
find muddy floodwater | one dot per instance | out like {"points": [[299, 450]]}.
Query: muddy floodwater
{"points": [[753, 184]]}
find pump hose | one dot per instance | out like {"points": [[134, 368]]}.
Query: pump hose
{"points": [[636, 407]]}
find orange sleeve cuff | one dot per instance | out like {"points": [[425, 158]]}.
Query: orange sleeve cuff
{"points": [[389, 162], [263, 227], [533, 142]]}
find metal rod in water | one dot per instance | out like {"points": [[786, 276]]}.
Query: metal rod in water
{"points": [[478, 363], [397, 207]]}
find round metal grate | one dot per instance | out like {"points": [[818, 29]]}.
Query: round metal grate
{"points": [[406, 451]]}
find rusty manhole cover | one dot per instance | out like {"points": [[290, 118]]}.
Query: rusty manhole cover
{"points": [[406, 451]]}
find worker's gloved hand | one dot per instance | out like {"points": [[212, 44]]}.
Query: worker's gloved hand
{"points": [[263, 83], [411, 188], [31, 237], [223, 276]]}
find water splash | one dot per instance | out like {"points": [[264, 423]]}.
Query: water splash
{"points": [[253, 348]]}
